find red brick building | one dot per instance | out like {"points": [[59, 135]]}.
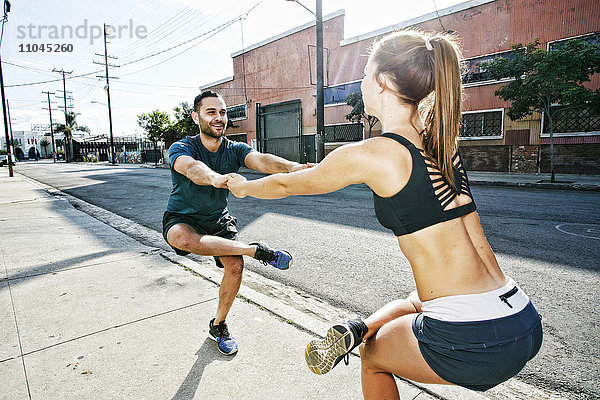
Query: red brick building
{"points": [[272, 96]]}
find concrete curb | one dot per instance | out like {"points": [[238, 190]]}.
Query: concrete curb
{"points": [[538, 185]]}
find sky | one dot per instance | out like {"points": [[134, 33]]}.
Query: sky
{"points": [[165, 50]]}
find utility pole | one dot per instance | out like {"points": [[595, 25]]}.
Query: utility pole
{"points": [[320, 84], [107, 87], [69, 144], [9, 147], [9, 122], [51, 128], [320, 79]]}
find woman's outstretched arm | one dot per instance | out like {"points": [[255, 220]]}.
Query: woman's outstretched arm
{"points": [[347, 165]]}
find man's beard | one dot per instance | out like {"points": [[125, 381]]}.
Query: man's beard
{"points": [[207, 130]]}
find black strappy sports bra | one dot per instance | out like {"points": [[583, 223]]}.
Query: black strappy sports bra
{"points": [[425, 199]]}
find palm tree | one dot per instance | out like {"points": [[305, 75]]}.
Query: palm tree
{"points": [[45, 143], [68, 130]]}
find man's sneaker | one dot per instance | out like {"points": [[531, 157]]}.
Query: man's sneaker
{"points": [[219, 333], [322, 355], [278, 258]]}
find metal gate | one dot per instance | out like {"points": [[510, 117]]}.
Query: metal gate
{"points": [[279, 128]]}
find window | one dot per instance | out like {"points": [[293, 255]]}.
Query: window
{"points": [[594, 39], [481, 125], [238, 112], [572, 120], [476, 73], [337, 94], [238, 137]]}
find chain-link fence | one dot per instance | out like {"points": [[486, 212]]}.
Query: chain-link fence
{"points": [[344, 133]]}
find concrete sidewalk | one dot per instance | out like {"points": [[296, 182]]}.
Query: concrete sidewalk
{"points": [[538, 181], [88, 312]]}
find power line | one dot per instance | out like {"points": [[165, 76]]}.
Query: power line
{"points": [[176, 55], [438, 15], [219, 28], [166, 30], [38, 70], [139, 47], [52, 80], [86, 54]]}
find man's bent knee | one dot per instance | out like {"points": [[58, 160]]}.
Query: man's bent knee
{"points": [[182, 238], [233, 264]]}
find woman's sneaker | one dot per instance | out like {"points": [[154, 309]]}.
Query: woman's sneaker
{"points": [[322, 355], [280, 259], [220, 334]]}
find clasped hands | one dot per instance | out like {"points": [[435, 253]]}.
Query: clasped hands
{"points": [[236, 182], [231, 181]]}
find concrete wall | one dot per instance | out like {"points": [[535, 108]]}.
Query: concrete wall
{"points": [[568, 158]]}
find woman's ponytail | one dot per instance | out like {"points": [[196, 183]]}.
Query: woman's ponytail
{"points": [[442, 122]]}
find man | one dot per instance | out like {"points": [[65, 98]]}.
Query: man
{"points": [[197, 220]]}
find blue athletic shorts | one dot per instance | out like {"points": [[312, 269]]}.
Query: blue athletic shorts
{"points": [[479, 355], [224, 227]]}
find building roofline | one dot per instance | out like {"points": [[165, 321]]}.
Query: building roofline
{"points": [[215, 83], [287, 33], [414, 21]]}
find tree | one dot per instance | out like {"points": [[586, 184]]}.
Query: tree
{"points": [[45, 143], [183, 125], [542, 78], [355, 100], [68, 129], [158, 126]]}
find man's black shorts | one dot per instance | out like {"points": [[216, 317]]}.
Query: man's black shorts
{"points": [[224, 227]]}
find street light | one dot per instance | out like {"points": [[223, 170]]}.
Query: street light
{"points": [[320, 95], [111, 144]]}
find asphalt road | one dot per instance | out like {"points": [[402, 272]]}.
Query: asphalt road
{"points": [[547, 240]]}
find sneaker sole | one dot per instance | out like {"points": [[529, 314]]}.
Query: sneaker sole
{"points": [[218, 348], [322, 355], [289, 264]]}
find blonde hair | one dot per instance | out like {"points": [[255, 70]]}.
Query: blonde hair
{"points": [[425, 70]]}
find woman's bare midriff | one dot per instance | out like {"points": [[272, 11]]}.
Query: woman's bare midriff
{"points": [[452, 258]]}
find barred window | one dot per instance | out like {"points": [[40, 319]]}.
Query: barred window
{"points": [[235, 113], [593, 39], [572, 120], [477, 73], [486, 124], [337, 94]]}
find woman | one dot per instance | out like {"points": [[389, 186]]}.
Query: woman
{"points": [[467, 323]]}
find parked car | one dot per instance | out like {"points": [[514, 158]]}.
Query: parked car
{"points": [[4, 160]]}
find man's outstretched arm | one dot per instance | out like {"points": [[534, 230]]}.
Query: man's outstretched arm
{"points": [[272, 164], [200, 173]]}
